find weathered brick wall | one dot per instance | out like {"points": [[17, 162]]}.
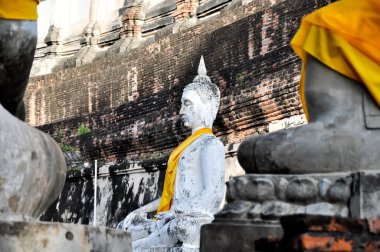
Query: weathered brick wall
{"points": [[130, 102]]}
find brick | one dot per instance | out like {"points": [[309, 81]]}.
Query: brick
{"points": [[325, 243], [327, 233]]}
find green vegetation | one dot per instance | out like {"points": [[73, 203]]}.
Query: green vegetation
{"points": [[155, 155], [58, 135], [239, 79], [67, 147], [83, 130], [75, 168]]}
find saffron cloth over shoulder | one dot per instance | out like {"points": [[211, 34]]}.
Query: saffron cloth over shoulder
{"points": [[344, 36], [171, 171], [19, 9]]}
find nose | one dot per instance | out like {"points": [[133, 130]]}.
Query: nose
{"points": [[181, 111]]}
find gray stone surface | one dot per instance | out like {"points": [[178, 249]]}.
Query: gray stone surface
{"points": [[32, 170], [166, 6], [333, 194], [248, 216], [32, 166], [211, 5], [17, 47], [372, 114], [149, 26], [73, 159], [337, 138], [172, 249], [22, 236], [365, 201], [227, 236]]}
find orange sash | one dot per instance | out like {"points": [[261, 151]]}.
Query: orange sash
{"points": [[171, 171], [19, 9], [344, 36]]}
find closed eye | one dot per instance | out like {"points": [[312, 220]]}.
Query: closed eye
{"points": [[187, 102]]}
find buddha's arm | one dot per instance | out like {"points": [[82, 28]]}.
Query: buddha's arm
{"points": [[150, 207], [137, 214], [212, 162]]}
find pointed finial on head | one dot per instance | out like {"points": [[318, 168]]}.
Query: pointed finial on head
{"points": [[202, 67]]}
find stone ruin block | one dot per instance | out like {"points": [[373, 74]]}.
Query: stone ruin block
{"points": [[264, 197], [256, 202], [168, 249], [33, 236]]}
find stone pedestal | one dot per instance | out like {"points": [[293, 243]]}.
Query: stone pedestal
{"points": [[259, 200], [29, 236], [267, 197], [225, 236], [167, 249]]}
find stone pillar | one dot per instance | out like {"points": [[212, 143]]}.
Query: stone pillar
{"points": [[53, 42], [93, 11], [185, 15], [131, 30], [53, 39], [92, 20], [132, 20], [90, 38]]}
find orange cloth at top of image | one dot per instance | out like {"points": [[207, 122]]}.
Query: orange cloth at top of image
{"points": [[344, 36], [171, 171], [19, 9]]}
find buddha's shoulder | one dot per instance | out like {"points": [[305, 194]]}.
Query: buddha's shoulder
{"points": [[211, 141]]}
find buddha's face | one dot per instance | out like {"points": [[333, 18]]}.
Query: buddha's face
{"points": [[192, 109]]}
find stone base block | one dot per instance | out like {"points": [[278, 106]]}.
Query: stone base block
{"points": [[227, 237], [256, 202], [267, 197], [23, 236], [172, 249]]}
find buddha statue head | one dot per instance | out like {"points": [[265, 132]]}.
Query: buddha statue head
{"points": [[200, 101]]}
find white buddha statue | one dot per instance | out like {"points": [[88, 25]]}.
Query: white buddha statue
{"points": [[194, 181]]}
